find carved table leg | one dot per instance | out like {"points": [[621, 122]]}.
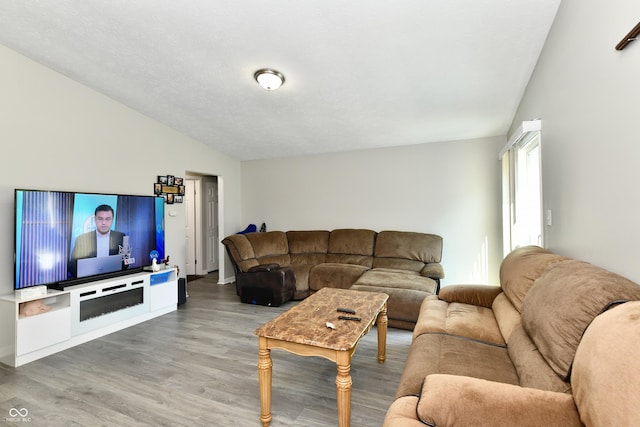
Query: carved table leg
{"points": [[264, 379], [381, 323], [343, 388]]}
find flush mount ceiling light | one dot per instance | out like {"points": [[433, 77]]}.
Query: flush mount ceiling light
{"points": [[269, 79]]}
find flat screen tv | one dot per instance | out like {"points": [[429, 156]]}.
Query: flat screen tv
{"points": [[66, 238]]}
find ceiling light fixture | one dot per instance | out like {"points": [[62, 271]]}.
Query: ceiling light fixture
{"points": [[269, 79]]}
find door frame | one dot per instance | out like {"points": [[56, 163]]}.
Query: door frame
{"points": [[198, 203]]}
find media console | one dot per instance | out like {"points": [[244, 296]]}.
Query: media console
{"points": [[82, 313]]}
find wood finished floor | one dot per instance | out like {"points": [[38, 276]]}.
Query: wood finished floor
{"points": [[197, 367]]}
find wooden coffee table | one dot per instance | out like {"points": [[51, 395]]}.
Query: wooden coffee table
{"points": [[303, 330]]}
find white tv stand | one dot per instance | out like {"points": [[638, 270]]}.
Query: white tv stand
{"points": [[82, 313]]}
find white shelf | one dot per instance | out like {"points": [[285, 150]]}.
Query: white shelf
{"points": [[56, 300], [82, 313]]}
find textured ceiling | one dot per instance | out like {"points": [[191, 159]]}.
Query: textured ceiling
{"points": [[359, 74]]}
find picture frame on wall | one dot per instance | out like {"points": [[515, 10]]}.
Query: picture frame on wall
{"points": [[170, 187]]}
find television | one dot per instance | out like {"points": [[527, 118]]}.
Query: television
{"points": [[64, 238]]}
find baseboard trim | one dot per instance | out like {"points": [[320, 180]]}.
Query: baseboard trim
{"points": [[226, 280]]}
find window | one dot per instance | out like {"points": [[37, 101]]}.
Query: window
{"points": [[522, 188]]}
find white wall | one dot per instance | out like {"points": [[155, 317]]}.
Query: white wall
{"points": [[451, 189], [56, 134], [587, 95], [59, 135]]}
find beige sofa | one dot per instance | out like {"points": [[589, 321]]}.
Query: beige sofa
{"points": [[404, 265], [527, 352]]}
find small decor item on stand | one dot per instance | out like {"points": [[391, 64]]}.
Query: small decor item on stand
{"points": [[154, 265], [31, 308], [251, 228]]}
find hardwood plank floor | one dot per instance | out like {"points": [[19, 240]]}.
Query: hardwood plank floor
{"points": [[197, 367]]}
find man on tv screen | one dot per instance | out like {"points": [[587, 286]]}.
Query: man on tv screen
{"points": [[99, 243]]}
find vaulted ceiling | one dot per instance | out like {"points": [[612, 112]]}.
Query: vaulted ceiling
{"points": [[359, 73]]}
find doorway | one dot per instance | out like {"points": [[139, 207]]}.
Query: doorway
{"points": [[202, 228]]}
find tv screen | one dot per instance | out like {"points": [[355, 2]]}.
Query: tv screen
{"points": [[65, 238]]}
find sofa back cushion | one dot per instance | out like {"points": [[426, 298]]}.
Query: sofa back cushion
{"points": [[421, 247], [533, 370], [563, 302], [604, 377], [406, 250], [270, 247], [351, 246], [308, 247], [520, 268]]}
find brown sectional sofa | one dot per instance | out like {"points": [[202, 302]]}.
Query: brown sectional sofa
{"points": [[556, 344], [405, 265]]}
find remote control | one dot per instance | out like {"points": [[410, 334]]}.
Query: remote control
{"points": [[357, 319], [346, 310]]}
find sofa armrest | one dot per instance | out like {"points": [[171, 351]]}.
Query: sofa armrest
{"points": [[402, 413], [451, 400], [480, 295], [433, 270]]}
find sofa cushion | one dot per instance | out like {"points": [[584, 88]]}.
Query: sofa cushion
{"points": [[533, 370], [406, 291], [507, 316], [434, 270], [312, 259], [520, 268], [407, 245], [351, 246], [447, 354], [605, 370], [308, 247], [333, 275], [403, 279], [403, 304], [563, 301], [398, 264], [458, 319], [352, 241], [396, 270], [270, 247], [361, 260]]}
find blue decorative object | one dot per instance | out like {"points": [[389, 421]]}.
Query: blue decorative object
{"points": [[251, 228]]}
